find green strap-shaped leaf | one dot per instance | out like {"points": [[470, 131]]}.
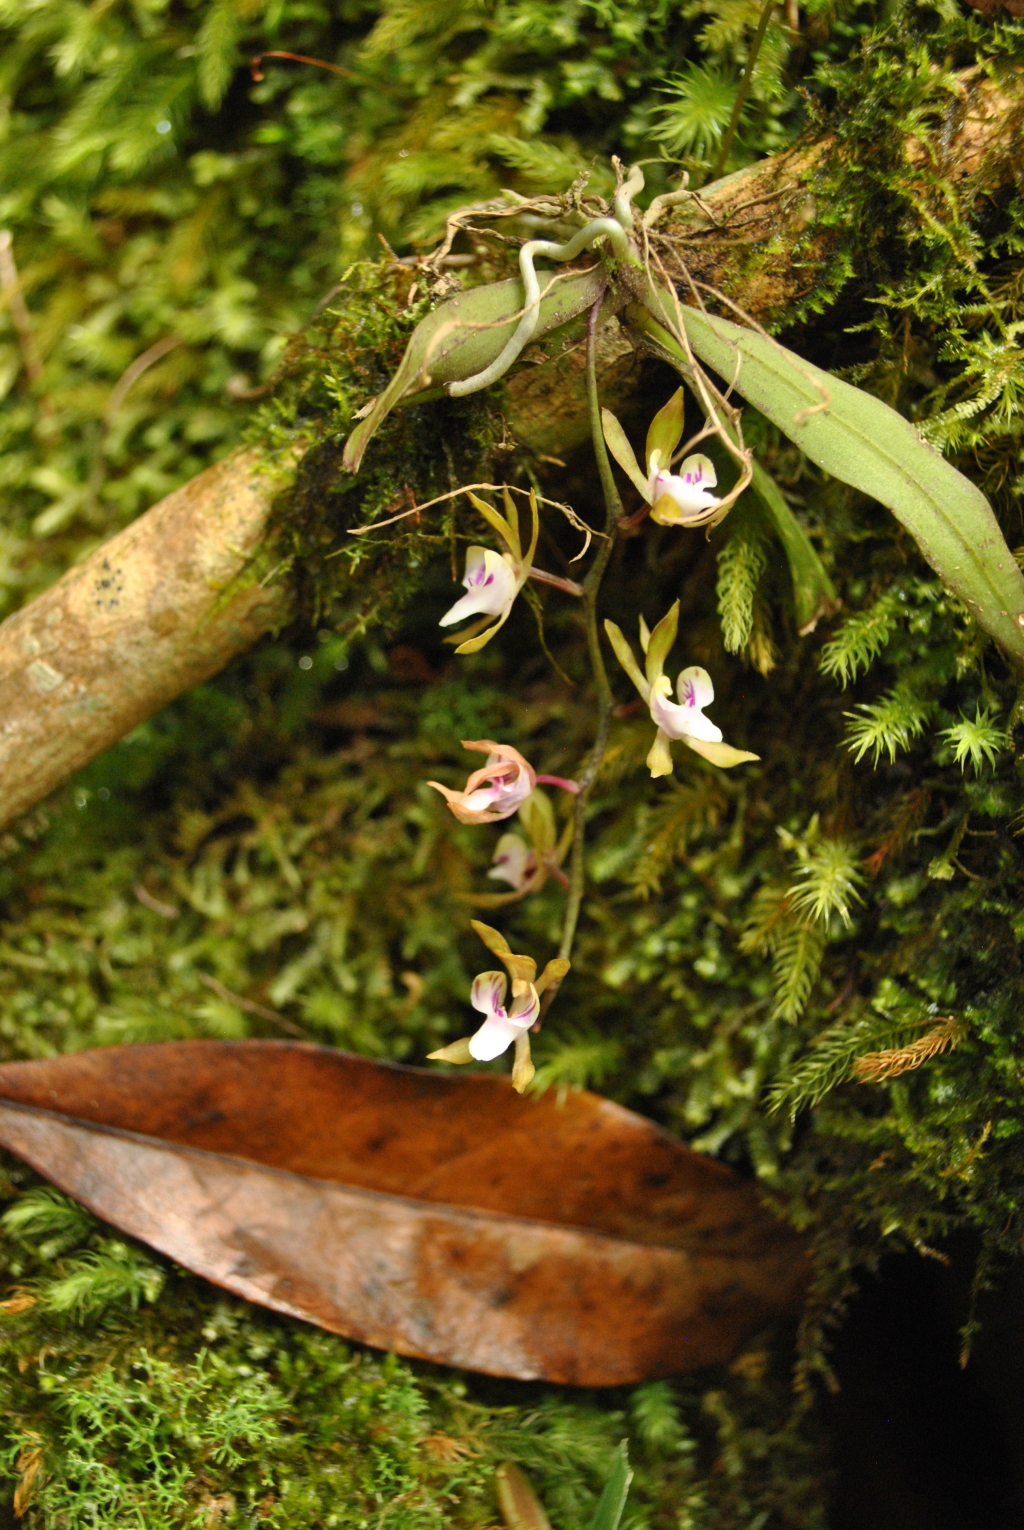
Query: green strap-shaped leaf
{"points": [[445, 347], [613, 1499], [863, 442], [814, 594]]}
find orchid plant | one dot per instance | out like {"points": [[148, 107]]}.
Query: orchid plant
{"points": [[471, 342]]}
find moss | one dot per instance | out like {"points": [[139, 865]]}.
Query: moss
{"points": [[208, 876]]}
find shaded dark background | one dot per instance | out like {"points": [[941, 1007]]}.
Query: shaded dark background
{"points": [[920, 1442]]}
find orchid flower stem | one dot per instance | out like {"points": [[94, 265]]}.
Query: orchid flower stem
{"points": [[741, 94], [605, 699], [568, 585]]}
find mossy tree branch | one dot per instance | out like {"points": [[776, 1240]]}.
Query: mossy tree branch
{"points": [[172, 599]]}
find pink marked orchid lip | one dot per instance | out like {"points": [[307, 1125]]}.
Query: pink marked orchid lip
{"points": [[685, 719], [491, 586], [501, 1027], [688, 491]]}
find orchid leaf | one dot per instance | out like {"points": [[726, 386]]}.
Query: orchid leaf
{"points": [[814, 594], [618, 444], [666, 430], [861, 441], [660, 644], [616, 1490], [645, 634], [626, 658], [464, 335]]}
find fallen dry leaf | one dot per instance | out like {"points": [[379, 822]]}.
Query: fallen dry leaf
{"points": [[440, 1216]]}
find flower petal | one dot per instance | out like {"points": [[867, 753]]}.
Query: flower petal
{"points": [[682, 721], [494, 1037], [722, 755], [689, 489], [490, 583], [659, 759], [525, 1008], [488, 992], [514, 862], [694, 687]]}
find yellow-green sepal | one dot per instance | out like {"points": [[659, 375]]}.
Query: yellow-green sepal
{"points": [[666, 431], [455, 1052], [662, 639], [618, 444], [722, 755]]}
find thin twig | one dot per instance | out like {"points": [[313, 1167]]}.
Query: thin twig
{"points": [[605, 699], [249, 1005], [132, 373], [570, 514]]}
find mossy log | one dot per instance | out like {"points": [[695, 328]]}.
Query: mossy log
{"points": [[173, 598]]}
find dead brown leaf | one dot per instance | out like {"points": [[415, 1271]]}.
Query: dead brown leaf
{"points": [[439, 1216]]}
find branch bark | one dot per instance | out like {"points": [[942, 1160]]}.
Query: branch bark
{"points": [[164, 605], [155, 611]]}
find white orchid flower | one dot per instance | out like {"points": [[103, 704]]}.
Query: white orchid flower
{"points": [[504, 1026], [683, 719], [491, 586], [682, 499], [493, 580], [676, 499], [514, 862], [501, 1026], [510, 777]]}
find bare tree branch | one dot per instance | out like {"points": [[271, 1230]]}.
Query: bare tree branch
{"points": [[159, 608]]}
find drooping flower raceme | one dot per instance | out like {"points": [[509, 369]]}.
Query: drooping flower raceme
{"points": [[676, 499], [497, 789], [683, 719], [504, 1024], [493, 580]]}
